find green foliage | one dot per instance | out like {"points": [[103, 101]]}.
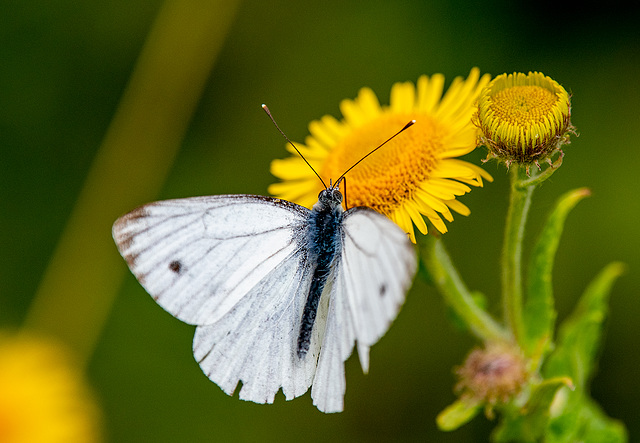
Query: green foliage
{"points": [[581, 333], [539, 314], [553, 405], [457, 414], [577, 417], [559, 409], [478, 298], [528, 423], [583, 420]]}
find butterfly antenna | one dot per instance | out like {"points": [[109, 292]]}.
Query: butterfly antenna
{"points": [[266, 109], [407, 126]]}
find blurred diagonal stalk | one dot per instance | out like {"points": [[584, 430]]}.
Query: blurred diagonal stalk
{"points": [[85, 272]]}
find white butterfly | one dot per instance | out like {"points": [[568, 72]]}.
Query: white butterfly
{"points": [[279, 293]]}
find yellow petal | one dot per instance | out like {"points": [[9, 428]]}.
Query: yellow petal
{"points": [[438, 224], [403, 98], [415, 216], [458, 207], [429, 93]]}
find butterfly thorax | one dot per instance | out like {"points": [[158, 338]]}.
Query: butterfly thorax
{"points": [[324, 239]]}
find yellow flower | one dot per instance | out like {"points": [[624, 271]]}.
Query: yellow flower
{"points": [[414, 175], [524, 118], [43, 398]]}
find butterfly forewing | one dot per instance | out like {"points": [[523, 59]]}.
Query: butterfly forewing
{"points": [[199, 256]]}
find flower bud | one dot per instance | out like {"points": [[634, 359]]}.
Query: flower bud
{"points": [[523, 118], [493, 374]]}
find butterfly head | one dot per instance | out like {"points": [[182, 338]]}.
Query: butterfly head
{"points": [[329, 198]]}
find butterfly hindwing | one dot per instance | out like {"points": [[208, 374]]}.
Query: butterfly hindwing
{"points": [[371, 279], [256, 342], [378, 265]]}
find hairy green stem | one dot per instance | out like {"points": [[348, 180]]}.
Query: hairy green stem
{"points": [[454, 291], [519, 204]]}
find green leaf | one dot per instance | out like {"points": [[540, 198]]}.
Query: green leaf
{"points": [[543, 394], [529, 422], [457, 414], [539, 313], [564, 425], [583, 420], [577, 417], [580, 334], [599, 428]]}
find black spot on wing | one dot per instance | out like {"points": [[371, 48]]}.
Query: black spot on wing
{"points": [[176, 266], [383, 290]]}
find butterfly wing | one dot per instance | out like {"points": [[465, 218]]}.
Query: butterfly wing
{"points": [[368, 288], [256, 343], [236, 266], [198, 257]]}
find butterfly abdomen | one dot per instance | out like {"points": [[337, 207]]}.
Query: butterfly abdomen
{"points": [[324, 240]]}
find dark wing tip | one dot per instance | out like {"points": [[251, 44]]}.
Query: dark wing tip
{"points": [[140, 212], [123, 236]]}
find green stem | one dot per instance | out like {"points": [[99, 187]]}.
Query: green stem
{"points": [[519, 204], [454, 291]]}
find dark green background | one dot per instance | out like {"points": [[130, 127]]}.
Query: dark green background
{"points": [[63, 68]]}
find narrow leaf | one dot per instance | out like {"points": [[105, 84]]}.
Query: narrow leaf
{"points": [[576, 417], [529, 422], [539, 314], [457, 414], [581, 333], [599, 428], [584, 421]]}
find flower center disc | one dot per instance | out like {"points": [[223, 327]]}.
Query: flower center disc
{"points": [[523, 105], [390, 175]]}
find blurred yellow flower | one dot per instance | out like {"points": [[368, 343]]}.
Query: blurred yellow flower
{"points": [[416, 174], [523, 118], [43, 397]]}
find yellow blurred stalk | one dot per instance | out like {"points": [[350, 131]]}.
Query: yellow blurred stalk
{"points": [[85, 272]]}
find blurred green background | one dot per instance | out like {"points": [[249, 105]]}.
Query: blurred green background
{"points": [[64, 66]]}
